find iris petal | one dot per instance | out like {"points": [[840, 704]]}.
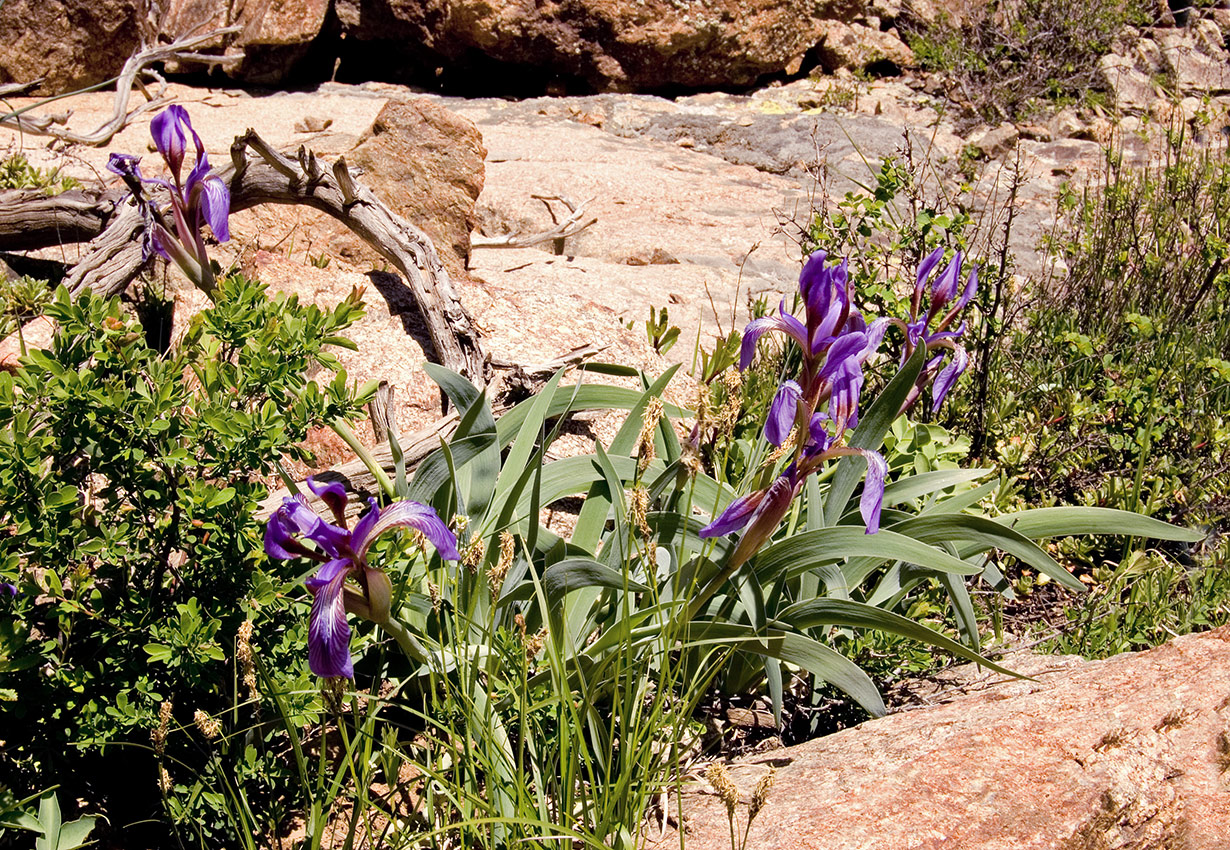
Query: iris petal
{"points": [[757, 328], [926, 266], [328, 631], [737, 514], [782, 412], [411, 515], [215, 201], [167, 128], [309, 524], [125, 165], [944, 382], [873, 490], [333, 494], [945, 286]]}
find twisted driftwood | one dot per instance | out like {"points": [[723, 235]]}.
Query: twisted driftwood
{"points": [[573, 224], [258, 174], [137, 64]]}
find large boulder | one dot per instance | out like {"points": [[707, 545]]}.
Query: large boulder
{"points": [[426, 164], [277, 40], [1130, 753], [605, 45], [69, 44]]}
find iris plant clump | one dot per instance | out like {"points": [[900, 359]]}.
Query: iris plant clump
{"points": [[203, 198], [836, 342], [342, 554]]}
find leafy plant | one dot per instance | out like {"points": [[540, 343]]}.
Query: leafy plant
{"points": [[131, 482], [1004, 58], [17, 173]]}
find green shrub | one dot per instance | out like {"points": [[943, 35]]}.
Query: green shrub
{"points": [[130, 485], [1005, 58], [17, 173], [1117, 384]]}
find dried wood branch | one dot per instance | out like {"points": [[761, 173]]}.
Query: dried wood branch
{"points": [[139, 62], [271, 177], [114, 257], [30, 219], [573, 224], [383, 411]]}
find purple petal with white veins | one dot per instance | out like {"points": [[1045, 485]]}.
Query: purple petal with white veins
{"points": [[333, 494], [737, 514], [782, 412], [757, 328], [328, 631], [215, 201], [410, 515], [947, 378], [872, 500], [362, 528], [167, 128]]}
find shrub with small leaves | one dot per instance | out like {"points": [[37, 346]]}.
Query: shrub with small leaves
{"points": [[130, 482]]}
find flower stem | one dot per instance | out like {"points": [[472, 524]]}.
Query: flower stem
{"points": [[340, 427], [409, 645]]}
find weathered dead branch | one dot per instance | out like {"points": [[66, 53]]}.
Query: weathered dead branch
{"points": [[571, 225], [138, 63], [271, 177], [30, 219], [114, 257]]}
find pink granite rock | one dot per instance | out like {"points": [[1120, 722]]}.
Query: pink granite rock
{"points": [[1130, 753]]}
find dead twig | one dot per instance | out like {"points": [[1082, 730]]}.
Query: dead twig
{"points": [[573, 224], [138, 63]]}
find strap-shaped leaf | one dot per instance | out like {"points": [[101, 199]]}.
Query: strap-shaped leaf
{"points": [[820, 660], [813, 549], [927, 483], [984, 534], [869, 434], [562, 578], [1075, 520], [845, 612]]}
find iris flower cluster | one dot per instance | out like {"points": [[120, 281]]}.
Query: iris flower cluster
{"points": [[342, 554], [836, 343], [203, 198], [932, 328]]}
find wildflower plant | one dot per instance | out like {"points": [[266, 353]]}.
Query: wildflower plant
{"points": [[553, 678], [199, 199]]}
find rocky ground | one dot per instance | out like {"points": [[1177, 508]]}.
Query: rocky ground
{"points": [[699, 201]]}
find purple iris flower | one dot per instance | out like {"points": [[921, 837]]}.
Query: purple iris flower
{"points": [[203, 198], [924, 329], [783, 412], [835, 342], [343, 554]]}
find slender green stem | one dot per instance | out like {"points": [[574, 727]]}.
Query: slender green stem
{"points": [[340, 427], [409, 645]]}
